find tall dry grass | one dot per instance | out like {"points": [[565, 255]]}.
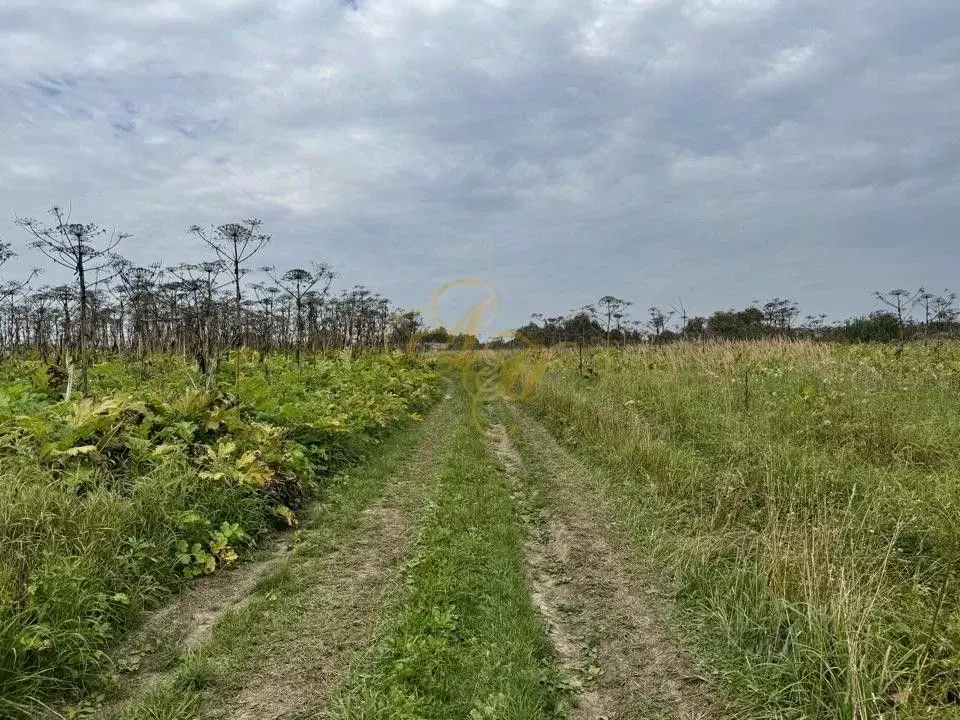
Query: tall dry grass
{"points": [[803, 499]]}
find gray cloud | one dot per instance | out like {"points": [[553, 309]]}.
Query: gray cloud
{"points": [[718, 150]]}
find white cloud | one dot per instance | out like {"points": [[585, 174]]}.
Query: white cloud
{"points": [[638, 147]]}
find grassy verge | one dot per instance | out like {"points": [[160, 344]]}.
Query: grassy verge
{"points": [[205, 682], [464, 641], [109, 503], [801, 499]]}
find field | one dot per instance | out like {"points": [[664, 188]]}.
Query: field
{"points": [[802, 502], [749, 530]]}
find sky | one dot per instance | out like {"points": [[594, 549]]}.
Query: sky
{"points": [[719, 152]]}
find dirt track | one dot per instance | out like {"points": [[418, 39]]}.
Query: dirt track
{"points": [[605, 618]]}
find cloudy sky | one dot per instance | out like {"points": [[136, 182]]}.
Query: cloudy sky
{"points": [[719, 151]]}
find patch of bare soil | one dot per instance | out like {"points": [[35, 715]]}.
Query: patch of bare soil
{"points": [[604, 617], [202, 606], [337, 620]]}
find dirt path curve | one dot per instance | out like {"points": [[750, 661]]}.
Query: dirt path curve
{"points": [[605, 618], [300, 671], [186, 622]]}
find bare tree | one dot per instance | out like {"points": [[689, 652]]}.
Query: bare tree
{"points": [[11, 291], [198, 287], [897, 300], [680, 310], [197, 309], [235, 244], [609, 307], [620, 317], [42, 317], [658, 320], [86, 250], [137, 299], [297, 283], [943, 310], [925, 299]]}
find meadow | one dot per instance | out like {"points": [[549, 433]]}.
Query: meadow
{"points": [[110, 502], [800, 501], [762, 529]]}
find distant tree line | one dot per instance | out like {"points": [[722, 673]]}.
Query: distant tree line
{"points": [[205, 310], [201, 310], [902, 315], [451, 341]]}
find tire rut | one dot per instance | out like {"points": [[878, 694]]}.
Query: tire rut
{"points": [[604, 617], [352, 583], [350, 590], [184, 623]]}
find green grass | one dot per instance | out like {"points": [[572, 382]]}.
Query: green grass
{"points": [[206, 681], [802, 500], [464, 641], [100, 497]]}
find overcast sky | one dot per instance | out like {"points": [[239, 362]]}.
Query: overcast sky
{"points": [[720, 151]]}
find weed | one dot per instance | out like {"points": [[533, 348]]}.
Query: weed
{"points": [[110, 502]]}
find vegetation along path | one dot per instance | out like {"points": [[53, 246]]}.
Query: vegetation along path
{"points": [[282, 650]]}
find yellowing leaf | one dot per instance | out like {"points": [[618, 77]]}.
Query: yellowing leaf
{"points": [[286, 513], [79, 450], [247, 459], [218, 544]]}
